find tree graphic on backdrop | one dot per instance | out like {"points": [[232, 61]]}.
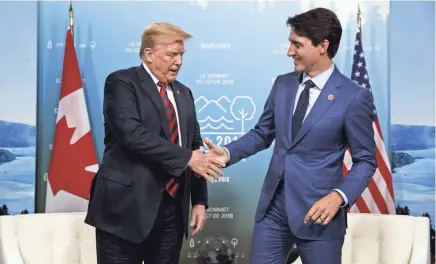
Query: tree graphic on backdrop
{"points": [[4, 210], [242, 109]]}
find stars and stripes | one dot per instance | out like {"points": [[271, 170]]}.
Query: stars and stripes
{"points": [[378, 197]]}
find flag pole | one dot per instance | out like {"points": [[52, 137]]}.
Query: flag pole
{"points": [[359, 18], [71, 12]]}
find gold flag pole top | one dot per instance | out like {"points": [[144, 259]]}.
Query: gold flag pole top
{"points": [[71, 11], [359, 17]]}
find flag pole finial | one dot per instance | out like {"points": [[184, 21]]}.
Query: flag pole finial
{"points": [[359, 17], [71, 12]]}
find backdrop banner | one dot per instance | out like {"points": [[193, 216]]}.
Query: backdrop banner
{"points": [[18, 82]]}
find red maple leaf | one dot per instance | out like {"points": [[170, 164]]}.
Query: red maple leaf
{"points": [[67, 167]]}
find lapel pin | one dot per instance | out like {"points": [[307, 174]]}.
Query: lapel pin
{"points": [[331, 97]]}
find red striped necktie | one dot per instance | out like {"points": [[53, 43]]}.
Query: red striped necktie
{"points": [[172, 185]]}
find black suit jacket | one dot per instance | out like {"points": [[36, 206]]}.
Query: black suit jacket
{"points": [[139, 158]]}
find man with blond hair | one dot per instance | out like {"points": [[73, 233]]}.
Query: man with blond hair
{"points": [[153, 162]]}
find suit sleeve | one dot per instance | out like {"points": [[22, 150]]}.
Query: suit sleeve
{"points": [[360, 136], [122, 117], [197, 141], [198, 184], [258, 138]]}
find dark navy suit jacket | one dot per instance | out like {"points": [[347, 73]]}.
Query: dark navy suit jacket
{"points": [[139, 159], [311, 164]]}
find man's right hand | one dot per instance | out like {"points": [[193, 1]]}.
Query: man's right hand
{"points": [[206, 166], [218, 153]]}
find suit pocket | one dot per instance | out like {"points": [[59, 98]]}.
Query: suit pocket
{"points": [[116, 176], [276, 165], [322, 182]]}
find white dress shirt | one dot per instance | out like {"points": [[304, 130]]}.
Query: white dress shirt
{"points": [[319, 80], [170, 97]]}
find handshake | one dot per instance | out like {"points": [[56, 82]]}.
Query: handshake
{"points": [[209, 165]]}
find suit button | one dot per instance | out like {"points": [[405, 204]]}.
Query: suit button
{"points": [[162, 190], [289, 152]]}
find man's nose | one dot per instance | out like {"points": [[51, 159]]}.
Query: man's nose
{"points": [[178, 60], [291, 52]]}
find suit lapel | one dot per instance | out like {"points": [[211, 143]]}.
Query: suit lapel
{"points": [[327, 97], [290, 97], [181, 111], [151, 89]]}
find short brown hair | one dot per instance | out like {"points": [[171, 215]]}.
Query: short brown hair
{"points": [[161, 34], [317, 25]]}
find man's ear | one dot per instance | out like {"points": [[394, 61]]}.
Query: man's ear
{"points": [[148, 55], [324, 46]]}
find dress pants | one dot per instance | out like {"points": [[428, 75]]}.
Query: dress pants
{"points": [[162, 246], [272, 239]]}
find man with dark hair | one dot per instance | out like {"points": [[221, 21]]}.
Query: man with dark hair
{"points": [[314, 114]]}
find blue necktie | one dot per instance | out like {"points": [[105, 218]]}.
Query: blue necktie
{"points": [[300, 111]]}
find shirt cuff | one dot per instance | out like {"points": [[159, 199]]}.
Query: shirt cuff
{"points": [[228, 153], [343, 197], [187, 164]]}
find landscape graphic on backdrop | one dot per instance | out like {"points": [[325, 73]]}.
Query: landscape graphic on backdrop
{"points": [[18, 96]]}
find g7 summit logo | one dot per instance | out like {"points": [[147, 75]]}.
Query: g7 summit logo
{"points": [[223, 117]]}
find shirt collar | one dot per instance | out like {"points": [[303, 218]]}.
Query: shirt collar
{"points": [[155, 80], [321, 79]]}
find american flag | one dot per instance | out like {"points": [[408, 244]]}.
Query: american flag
{"points": [[378, 197]]}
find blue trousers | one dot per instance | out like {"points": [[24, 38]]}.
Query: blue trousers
{"points": [[272, 239]]}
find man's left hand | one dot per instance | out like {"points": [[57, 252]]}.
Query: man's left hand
{"points": [[325, 209], [198, 218]]}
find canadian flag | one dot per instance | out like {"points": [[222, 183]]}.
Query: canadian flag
{"points": [[74, 160]]}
